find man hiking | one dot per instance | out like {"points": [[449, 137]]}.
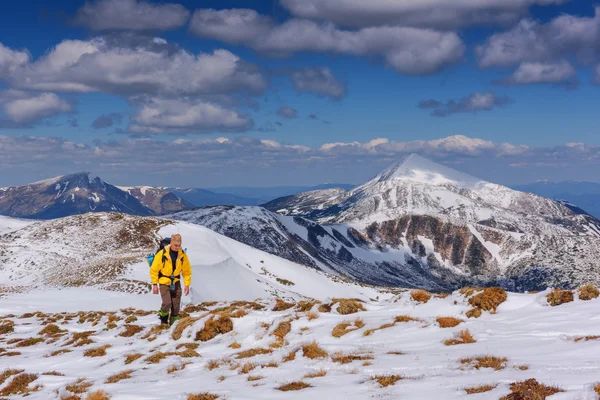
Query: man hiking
{"points": [[165, 274]]}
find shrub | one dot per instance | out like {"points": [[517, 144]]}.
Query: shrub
{"points": [[213, 327], [480, 389], [448, 322], [530, 389], [120, 376], [495, 363], [420, 296], [489, 299], [312, 350], [463, 337], [558, 297], [293, 386], [386, 380], [588, 292]]}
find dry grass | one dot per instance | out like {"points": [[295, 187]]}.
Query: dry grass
{"points": [[588, 292], [156, 357], [448, 322], [325, 308], [154, 331], [97, 351], [58, 352], [7, 327], [53, 373], [10, 354], [214, 327], [299, 385], [462, 337], [129, 358], [80, 339], [131, 330], [52, 330], [420, 296], [291, 356], [182, 324], [489, 299], [120, 376], [474, 313], [586, 338], [316, 374], [312, 315], [282, 330], [270, 364], [29, 342], [305, 305], [190, 346], [406, 318], [386, 380], [341, 358], [480, 389], [468, 291], [246, 368], [80, 386], [253, 352], [522, 367], [369, 332], [558, 297], [281, 305], [349, 306], [496, 363], [8, 373], [252, 378], [530, 389], [597, 388], [97, 395], [130, 319], [396, 353], [235, 345], [203, 396], [213, 364], [312, 351], [188, 353], [175, 368], [19, 385], [343, 328]]}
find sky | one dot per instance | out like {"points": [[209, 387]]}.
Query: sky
{"points": [[297, 92]]}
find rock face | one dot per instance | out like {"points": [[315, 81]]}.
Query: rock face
{"points": [[67, 195], [159, 200]]}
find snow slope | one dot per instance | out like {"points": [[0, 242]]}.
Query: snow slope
{"points": [[538, 341]]}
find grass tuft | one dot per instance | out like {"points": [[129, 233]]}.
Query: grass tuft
{"points": [[588, 292], [53, 373], [489, 299], [341, 358], [203, 396], [386, 380], [97, 351], [156, 357], [312, 350], [462, 337], [530, 389], [316, 374], [253, 352], [80, 386], [349, 306], [214, 327], [129, 358], [293, 386], [8, 373], [420, 296], [131, 330], [480, 389], [29, 342], [97, 395], [291, 356], [51, 330], [474, 313], [496, 363], [448, 322], [558, 297], [281, 305], [120, 376], [19, 385], [246, 368]]}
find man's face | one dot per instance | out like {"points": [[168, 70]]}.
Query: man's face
{"points": [[176, 242]]}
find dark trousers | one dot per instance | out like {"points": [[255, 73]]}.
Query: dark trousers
{"points": [[171, 300]]}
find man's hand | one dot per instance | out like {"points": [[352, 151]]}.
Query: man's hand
{"points": [[186, 290], [154, 289]]}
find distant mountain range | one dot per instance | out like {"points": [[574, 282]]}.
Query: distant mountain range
{"points": [[585, 195]]}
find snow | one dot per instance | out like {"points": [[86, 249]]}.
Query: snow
{"points": [[525, 330], [8, 224], [95, 198]]}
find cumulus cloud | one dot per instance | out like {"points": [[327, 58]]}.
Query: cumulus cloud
{"points": [[131, 15], [146, 66], [159, 115], [25, 108], [318, 80], [11, 60], [107, 120], [287, 112], [408, 50], [439, 14], [532, 41], [471, 103], [561, 72]]}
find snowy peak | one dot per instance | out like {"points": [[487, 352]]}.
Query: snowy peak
{"points": [[420, 169]]}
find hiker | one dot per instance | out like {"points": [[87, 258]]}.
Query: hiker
{"points": [[165, 274]]}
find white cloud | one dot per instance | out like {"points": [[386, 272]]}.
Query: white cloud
{"points": [[471, 103], [24, 108], [186, 116], [408, 50], [442, 14], [531, 41], [319, 80], [537, 72], [10, 60], [287, 112], [131, 15], [146, 67]]}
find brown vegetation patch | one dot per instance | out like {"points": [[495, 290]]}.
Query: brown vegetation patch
{"points": [[130, 319], [386, 380], [480, 389], [235, 345], [214, 327], [157, 356], [291, 356], [97, 351], [341, 358], [191, 346], [349, 306], [316, 374], [420, 296], [597, 388], [246, 368], [489, 299], [462, 337], [396, 353], [586, 338], [588, 292], [131, 330], [281, 305], [212, 364], [8, 373], [468, 291], [59, 352], [29, 342], [312, 350], [120, 376], [52, 330], [182, 324], [80, 339], [558, 297], [253, 352], [448, 322], [252, 378], [154, 331], [474, 313], [406, 318], [97, 395], [343, 328], [285, 282], [530, 389], [80, 386], [305, 305], [188, 353], [175, 368], [496, 363], [325, 308], [6, 327], [293, 386], [19, 385], [282, 330], [129, 358], [203, 396]]}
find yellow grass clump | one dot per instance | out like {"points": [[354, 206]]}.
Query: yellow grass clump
{"points": [[480, 389], [462, 337], [253, 352], [386, 380], [19, 385], [246, 368], [530, 389], [597, 388], [80, 386], [182, 324], [129, 358], [316, 374], [120, 376], [252, 378], [588, 292], [29, 342], [156, 357], [349, 306], [97, 395], [175, 368], [97, 351], [190, 346], [282, 330], [131, 330], [420, 296], [291, 355], [345, 327], [6, 327], [558, 297], [496, 363], [342, 358], [474, 313], [214, 327], [203, 396], [489, 299], [281, 305], [448, 322], [293, 386], [8, 373], [312, 350], [52, 330]]}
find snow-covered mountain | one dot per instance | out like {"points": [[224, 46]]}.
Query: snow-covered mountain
{"points": [[158, 199], [419, 221], [585, 194], [61, 196]]}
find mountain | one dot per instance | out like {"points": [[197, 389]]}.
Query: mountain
{"points": [[159, 200], [585, 195], [203, 197], [418, 219], [61, 196], [264, 194]]}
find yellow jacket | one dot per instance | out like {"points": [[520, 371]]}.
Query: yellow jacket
{"points": [[166, 268]]}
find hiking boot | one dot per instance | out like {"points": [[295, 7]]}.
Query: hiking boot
{"points": [[164, 320], [174, 318]]}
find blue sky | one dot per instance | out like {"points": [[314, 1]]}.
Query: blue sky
{"points": [[254, 93]]}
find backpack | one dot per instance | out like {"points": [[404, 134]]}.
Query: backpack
{"points": [[163, 243]]}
